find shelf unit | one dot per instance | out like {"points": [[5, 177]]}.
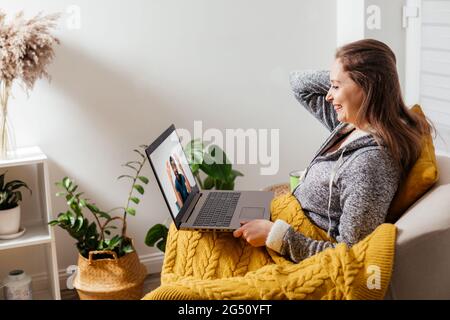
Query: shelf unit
{"points": [[38, 232]]}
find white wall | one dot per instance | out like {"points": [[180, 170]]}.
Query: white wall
{"points": [[134, 67], [390, 30], [376, 19]]}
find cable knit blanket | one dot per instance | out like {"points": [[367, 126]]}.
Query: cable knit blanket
{"points": [[210, 265]]}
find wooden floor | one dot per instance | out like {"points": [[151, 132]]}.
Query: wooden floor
{"points": [[151, 282]]}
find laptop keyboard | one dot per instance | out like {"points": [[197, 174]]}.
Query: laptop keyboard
{"points": [[218, 209]]}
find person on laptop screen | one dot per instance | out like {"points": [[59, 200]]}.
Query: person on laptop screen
{"points": [[180, 184]]}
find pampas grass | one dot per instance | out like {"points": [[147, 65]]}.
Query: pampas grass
{"points": [[26, 49]]}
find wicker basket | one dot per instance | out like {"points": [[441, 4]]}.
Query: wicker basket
{"points": [[279, 189], [110, 279]]}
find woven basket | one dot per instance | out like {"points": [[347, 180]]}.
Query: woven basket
{"points": [[279, 189], [110, 279]]}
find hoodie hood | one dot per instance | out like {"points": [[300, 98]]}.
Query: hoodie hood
{"points": [[366, 140]]}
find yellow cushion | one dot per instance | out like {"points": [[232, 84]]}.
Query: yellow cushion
{"points": [[423, 175]]}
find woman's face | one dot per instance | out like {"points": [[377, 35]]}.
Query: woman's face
{"points": [[174, 168], [344, 94]]}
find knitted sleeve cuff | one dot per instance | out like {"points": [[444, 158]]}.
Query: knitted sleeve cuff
{"points": [[274, 240]]}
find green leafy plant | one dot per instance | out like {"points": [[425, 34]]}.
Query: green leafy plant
{"points": [[157, 235], [213, 162], [96, 235], [10, 196]]}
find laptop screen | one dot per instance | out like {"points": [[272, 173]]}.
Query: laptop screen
{"points": [[171, 167]]}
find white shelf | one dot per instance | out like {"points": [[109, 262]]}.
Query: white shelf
{"points": [[23, 156], [38, 231], [34, 235]]}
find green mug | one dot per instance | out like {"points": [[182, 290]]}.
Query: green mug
{"points": [[295, 177]]}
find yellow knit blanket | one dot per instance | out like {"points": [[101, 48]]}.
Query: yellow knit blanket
{"points": [[215, 265]]}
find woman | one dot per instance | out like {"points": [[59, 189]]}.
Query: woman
{"points": [[375, 140], [181, 186]]}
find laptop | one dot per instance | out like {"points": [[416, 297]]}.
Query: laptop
{"points": [[195, 209]]}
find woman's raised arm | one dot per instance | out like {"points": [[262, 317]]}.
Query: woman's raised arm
{"points": [[310, 89]]}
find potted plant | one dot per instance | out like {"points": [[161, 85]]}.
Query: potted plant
{"points": [[212, 161], [99, 276], [10, 197]]}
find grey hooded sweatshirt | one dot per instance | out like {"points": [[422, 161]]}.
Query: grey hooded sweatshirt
{"points": [[346, 192]]}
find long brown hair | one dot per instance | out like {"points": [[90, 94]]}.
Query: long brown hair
{"points": [[371, 64]]}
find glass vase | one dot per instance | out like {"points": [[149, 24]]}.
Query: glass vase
{"points": [[7, 137]]}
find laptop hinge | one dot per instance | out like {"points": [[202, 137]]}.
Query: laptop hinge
{"points": [[191, 207]]}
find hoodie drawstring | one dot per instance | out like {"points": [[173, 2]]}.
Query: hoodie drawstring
{"points": [[333, 174]]}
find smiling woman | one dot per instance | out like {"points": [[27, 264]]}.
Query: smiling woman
{"points": [[375, 139], [340, 203], [371, 66], [344, 94]]}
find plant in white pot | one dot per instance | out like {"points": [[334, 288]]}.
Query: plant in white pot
{"points": [[10, 197]]}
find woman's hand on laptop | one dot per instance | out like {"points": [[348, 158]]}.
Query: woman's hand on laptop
{"points": [[255, 232]]}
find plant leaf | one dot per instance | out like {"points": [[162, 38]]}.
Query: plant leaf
{"points": [[143, 179], [139, 188], [63, 217], [194, 152], [131, 211], [125, 176], [66, 183], [93, 208], [157, 232], [2, 180], [104, 215], [114, 242], [15, 184], [218, 155], [194, 168], [73, 219], [82, 203], [226, 185], [216, 164], [209, 183], [18, 196], [162, 245], [133, 162], [130, 166], [91, 231], [139, 152], [73, 188], [236, 173], [216, 171], [135, 200], [128, 248], [71, 201], [80, 223]]}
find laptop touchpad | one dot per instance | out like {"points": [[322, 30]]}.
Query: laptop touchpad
{"points": [[251, 213]]}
